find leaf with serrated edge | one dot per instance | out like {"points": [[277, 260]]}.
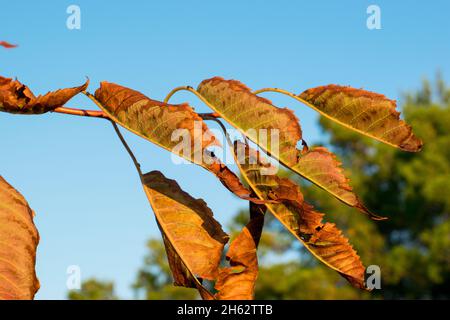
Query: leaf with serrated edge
{"points": [[16, 97], [323, 240], [366, 112], [194, 240], [18, 242], [247, 112]]}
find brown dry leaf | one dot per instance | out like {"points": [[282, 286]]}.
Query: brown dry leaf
{"points": [[158, 121], [194, 240], [237, 282], [366, 112], [16, 97], [7, 45], [247, 112], [322, 239], [18, 242]]}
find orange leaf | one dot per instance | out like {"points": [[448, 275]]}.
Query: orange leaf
{"points": [[16, 97], [366, 112], [249, 113], [7, 45], [237, 282], [156, 121], [18, 242]]}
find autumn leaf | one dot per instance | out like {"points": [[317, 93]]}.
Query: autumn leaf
{"points": [[16, 97], [194, 240], [366, 112], [7, 45], [18, 242], [324, 240], [322, 168], [247, 112], [237, 282], [157, 122]]}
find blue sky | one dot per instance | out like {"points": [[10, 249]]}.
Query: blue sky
{"points": [[91, 210]]}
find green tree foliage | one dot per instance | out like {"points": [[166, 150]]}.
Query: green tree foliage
{"points": [[93, 289]]}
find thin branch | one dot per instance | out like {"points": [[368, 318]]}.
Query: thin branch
{"points": [[290, 94], [127, 147], [81, 112]]}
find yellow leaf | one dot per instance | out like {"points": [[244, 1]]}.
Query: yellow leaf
{"points": [[18, 242], [156, 121], [247, 112], [194, 240]]}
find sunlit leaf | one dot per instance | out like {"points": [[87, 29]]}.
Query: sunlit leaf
{"points": [[16, 97], [237, 282], [159, 123], [18, 242], [7, 45], [322, 239], [247, 112], [368, 113], [194, 240]]}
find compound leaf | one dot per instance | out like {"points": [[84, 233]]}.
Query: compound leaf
{"points": [[247, 112]]}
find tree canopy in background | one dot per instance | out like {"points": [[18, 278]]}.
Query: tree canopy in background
{"points": [[412, 248]]}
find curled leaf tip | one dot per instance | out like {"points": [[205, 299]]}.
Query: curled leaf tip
{"points": [[16, 97]]}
